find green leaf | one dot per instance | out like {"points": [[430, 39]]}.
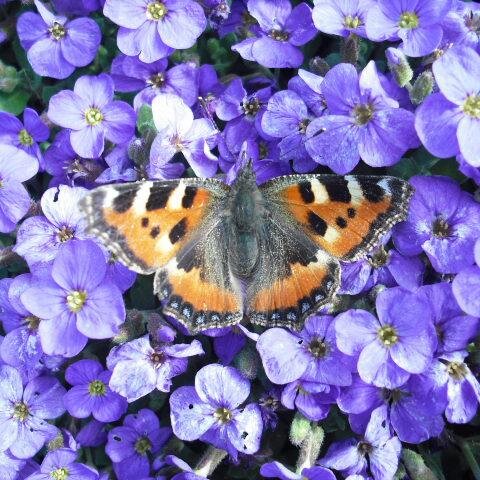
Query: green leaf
{"points": [[14, 102]]}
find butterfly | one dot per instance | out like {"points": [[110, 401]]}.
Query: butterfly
{"points": [[221, 252]]}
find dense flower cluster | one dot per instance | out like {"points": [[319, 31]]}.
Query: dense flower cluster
{"points": [[96, 383]]}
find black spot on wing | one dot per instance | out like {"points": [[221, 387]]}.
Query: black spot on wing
{"points": [[338, 190], [145, 222], [178, 231], [371, 190], [155, 231], [189, 196], [123, 201], [317, 224], [341, 222], [159, 196], [305, 189], [351, 212]]}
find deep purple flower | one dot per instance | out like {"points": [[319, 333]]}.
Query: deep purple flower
{"points": [[363, 122], [341, 17], [277, 470], [56, 46], [92, 434], [287, 118], [138, 367], [282, 31], [454, 328], [187, 472], [131, 75], [153, 28], [466, 286], [242, 112], [128, 446], [78, 7], [309, 87], [416, 23], [62, 464], [313, 400], [24, 135], [400, 342], [461, 24], [211, 411], [120, 167], [40, 238], [414, 410], [178, 131], [24, 411], [378, 450], [310, 355], [90, 393], [16, 166], [10, 467], [460, 385], [443, 222], [76, 302], [66, 166], [92, 115], [448, 122]]}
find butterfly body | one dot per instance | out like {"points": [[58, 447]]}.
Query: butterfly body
{"points": [[268, 252]]}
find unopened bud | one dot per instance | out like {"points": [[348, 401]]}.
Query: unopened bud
{"points": [[247, 362], [422, 88], [399, 66], [299, 429], [319, 66], [415, 465]]}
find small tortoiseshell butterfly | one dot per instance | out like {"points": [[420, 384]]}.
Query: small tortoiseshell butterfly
{"points": [[271, 251]]}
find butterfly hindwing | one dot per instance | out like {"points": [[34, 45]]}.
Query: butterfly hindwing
{"points": [[293, 277], [345, 216]]}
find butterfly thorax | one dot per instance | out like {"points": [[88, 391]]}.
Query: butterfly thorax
{"points": [[246, 211]]}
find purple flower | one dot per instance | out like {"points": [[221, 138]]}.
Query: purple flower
{"points": [[78, 7], [92, 115], [466, 286], [400, 342], [311, 399], [448, 122], [62, 464], [153, 28], [40, 238], [56, 46], [187, 472], [76, 302], [309, 87], [242, 112], [454, 328], [128, 446], [90, 394], [443, 222], [416, 23], [460, 385], [287, 118], [66, 166], [138, 367], [131, 75], [178, 131], [211, 411], [414, 410], [310, 355], [10, 467], [378, 450], [23, 411], [277, 470], [92, 434], [341, 17], [363, 121], [16, 166], [282, 30], [24, 135], [460, 25], [120, 167]]}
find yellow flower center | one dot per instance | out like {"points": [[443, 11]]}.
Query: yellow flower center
{"points": [[388, 336], [20, 411], [33, 322], [76, 300], [223, 415], [157, 80], [379, 258], [25, 138], [408, 20], [457, 370], [60, 474], [352, 22], [251, 107], [57, 31], [362, 114], [318, 348], [472, 106], [143, 445], [279, 35], [65, 234], [156, 11], [93, 116], [97, 388]]}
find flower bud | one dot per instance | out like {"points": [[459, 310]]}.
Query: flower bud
{"points": [[422, 88], [399, 66], [299, 429], [247, 362]]}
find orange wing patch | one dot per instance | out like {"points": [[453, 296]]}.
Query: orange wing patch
{"points": [[346, 216], [288, 300]]}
